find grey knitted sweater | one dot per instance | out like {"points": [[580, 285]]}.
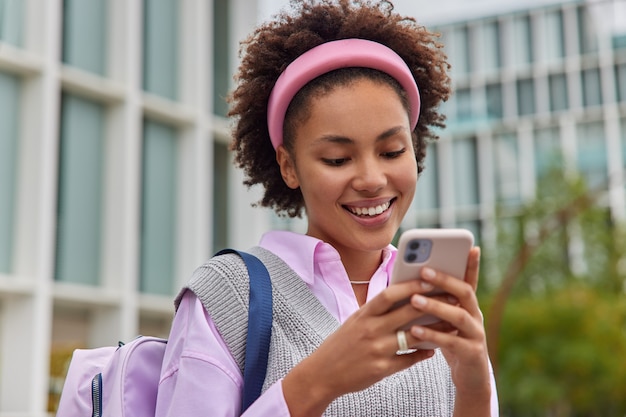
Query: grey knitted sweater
{"points": [[300, 325]]}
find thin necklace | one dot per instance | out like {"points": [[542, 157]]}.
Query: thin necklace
{"points": [[359, 282]]}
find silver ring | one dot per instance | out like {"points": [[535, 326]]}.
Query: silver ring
{"points": [[403, 346]]}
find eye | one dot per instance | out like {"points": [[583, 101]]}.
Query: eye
{"points": [[393, 154], [334, 162]]}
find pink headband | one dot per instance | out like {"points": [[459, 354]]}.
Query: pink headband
{"points": [[330, 56]]}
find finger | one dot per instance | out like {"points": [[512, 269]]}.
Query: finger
{"points": [[450, 341], [458, 317], [471, 271], [406, 313], [463, 291], [441, 326], [445, 340], [410, 359], [473, 266], [409, 345], [402, 316], [444, 298], [396, 295], [416, 343]]}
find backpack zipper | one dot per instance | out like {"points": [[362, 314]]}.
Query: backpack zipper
{"points": [[96, 395]]}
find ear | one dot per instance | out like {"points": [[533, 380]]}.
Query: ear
{"points": [[287, 167]]}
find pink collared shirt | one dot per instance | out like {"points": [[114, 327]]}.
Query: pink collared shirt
{"points": [[199, 374]]}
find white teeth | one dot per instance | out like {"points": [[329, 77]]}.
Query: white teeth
{"points": [[370, 211]]}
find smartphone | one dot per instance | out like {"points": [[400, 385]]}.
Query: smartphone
{"points": [[445, 250]]}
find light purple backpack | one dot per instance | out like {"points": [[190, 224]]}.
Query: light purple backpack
{"points": [[123, 381], [114, 381]]}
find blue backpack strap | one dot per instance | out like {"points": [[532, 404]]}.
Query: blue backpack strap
{"points": [[259, 327]]}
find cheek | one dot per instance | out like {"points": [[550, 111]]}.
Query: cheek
{"points": [[322, 186], [406, 177]]}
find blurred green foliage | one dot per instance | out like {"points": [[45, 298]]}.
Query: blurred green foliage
{"points": [[563, 353], [562, 341]]}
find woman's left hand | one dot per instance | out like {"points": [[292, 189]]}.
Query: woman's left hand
{"points": [[465, 348]]}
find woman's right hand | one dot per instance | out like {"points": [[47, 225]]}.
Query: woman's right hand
{"points": [[360, 353]]}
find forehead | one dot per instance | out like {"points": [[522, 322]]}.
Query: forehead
{"points": [[362, 112], [300, 107], [343, 77]]}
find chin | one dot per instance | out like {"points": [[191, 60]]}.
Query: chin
{"points": [[371, 243]]}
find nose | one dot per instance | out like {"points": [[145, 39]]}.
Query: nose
{"points": [[370, 176]]}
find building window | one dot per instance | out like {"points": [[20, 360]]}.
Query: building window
{"points": [[9, 115], [623, 139], [523, 42], [80, 191], [474, 227], [465, 172], [84, 34], [495, 107], [464, 104], [548, 155], [619, 41], [427, 193], [221, 164], [559, 98], [591, 153], [554, 35], [11, 18], [491, 46], [592, 88], [159, 197], [587, 32], [461, 52], [506, 164], [160, 52], [221, 59], [525, 97], [620, 81]]}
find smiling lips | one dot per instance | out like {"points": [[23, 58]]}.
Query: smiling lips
{"points": [[370, 211]]}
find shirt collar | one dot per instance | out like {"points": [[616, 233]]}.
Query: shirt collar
{"points": [[295, 249], [301, 253]]}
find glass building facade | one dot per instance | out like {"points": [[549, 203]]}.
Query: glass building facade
{"points": [[116, 181], [115, 178], [532, 88]]}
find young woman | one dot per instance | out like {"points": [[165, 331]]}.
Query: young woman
{"points": [[334, 106]]}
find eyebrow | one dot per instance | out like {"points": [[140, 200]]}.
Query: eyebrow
{"points": [[344, 140]]}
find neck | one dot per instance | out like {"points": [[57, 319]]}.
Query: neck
{"points": [[360, 293], [362, 266]]}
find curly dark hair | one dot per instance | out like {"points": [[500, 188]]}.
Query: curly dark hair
{"points": [[309, 23]]}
